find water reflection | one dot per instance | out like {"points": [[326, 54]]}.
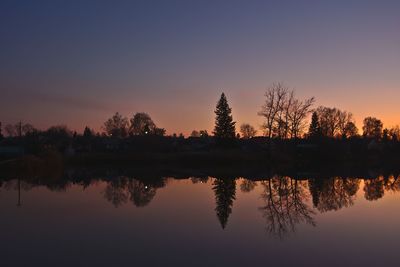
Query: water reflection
{"points": [[285, 205], [333, 193], [225, 191], [284, 202], [121, 189]]}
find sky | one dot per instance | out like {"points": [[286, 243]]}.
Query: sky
{"points": [[78, 62]]}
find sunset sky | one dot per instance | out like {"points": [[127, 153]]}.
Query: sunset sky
{"points": [[75, 63]]}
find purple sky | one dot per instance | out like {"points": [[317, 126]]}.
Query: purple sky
{"points": [[74, 63]]}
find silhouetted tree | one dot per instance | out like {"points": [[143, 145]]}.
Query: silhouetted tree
{"points": [[203, 133], [10, 130], [19, 129], [142, 124], [350, 130], [59, 131], [346, 125], [314, 129], [224, 124], [116, 126], [394, 133], [225, 191], [159, 131], [87, 133], [372, 127], [1, 131], [275, 97], [27, 129], [195, 134], [329, 121], [247, 131], [385, 134], [335, 122], [297, 114], [284, 114]]}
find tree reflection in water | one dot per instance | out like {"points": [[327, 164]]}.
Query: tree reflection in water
{"points": [[374, 188], [202, 180], [285, 205], [225, 194], [333, 193], [140, 193], [247, 185], [285, 200]]}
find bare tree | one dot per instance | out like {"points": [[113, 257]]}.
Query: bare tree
{"points": [[329, 120], [247, 131], [284, 114], [28, 129], [345, 123], [298, 112], [19, 129], [274, 101], [10, 130]]}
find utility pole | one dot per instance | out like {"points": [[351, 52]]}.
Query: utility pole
{"points": [[20, 129], [19, 204]]}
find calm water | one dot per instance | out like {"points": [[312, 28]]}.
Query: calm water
{"points": [[278, 221]]}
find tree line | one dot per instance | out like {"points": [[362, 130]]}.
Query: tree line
{"points": [[284, 117]]}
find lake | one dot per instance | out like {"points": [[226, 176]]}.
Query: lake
{"points": [[200, 221]]}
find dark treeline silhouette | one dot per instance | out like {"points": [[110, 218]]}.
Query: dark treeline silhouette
{"points": [[288, 137]]}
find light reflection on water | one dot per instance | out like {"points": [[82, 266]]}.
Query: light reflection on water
{"points": [[200, 221]]}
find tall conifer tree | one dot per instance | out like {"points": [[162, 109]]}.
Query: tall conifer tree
{"points": [[224, 124], [315, 128]]}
